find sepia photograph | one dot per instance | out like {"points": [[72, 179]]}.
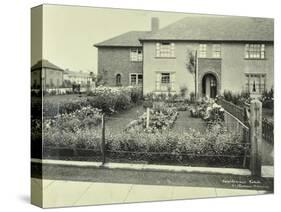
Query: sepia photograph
{"points": [[134, 105]]}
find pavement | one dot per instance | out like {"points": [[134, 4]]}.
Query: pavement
{"points": [[74, 183], [64, 193]]}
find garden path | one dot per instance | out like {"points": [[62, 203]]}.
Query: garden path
{"points": [[186, 122]]}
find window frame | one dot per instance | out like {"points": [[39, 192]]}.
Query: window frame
{"points": [[202, 49], [254, 51], [137, 79], [216, 50], [260, 85], [165, 49], [136, 54]]}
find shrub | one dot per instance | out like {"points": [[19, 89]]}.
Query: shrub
{"points": [[183, 90], [188, 147], [267, 99], [192, 97]]}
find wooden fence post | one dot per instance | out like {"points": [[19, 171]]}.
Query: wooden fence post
{"points": [[103, 139], [256, 136], [147, 117]]}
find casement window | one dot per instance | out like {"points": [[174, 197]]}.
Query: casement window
{"points": [[165, 49], [254, 51], [165, 81], [255, 83], [216, 50], [203, 50], [165, 78], [136, 79], [136, 54]]}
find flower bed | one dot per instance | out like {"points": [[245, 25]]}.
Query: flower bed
{"points": [[108, 100], [160, 118], [216, 147], [208, 111]]}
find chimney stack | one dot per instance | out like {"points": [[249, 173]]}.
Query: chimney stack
{"points": [[154, 24]]}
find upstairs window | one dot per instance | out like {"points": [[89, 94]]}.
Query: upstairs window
{"points": [[135, 79], [216, 50], [136, 55], [254, 51], [203, 50], [165, 49]]}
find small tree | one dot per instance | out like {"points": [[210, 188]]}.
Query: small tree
{"points": [[191, 65]]}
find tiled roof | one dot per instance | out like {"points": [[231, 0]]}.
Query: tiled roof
{"points": [[45, 64], [220, 28], [128, 39]]}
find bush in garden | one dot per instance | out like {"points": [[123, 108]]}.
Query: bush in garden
{"points": [[214, 143], [136, 94], [192, 97], [237, 98], [267, 99], [84, 118], [183, 90], [161, 118]]}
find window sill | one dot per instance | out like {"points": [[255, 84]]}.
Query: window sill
{"points": [[254, 58], [210, 58], [140, 61], [165, 57]]}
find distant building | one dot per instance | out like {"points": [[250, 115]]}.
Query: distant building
{"points": [[45, 74], [78, 78]]}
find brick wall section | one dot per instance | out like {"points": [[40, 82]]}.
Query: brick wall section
{"points": [[116, 60], [209, 66]]}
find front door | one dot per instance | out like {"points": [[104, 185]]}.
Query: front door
{"points": [[209, 86]]}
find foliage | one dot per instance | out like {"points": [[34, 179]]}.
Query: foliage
{"points": [[181, 148], [208, 110], [236, 98], [109, 100], [84, 118], [190, 65], [183, 90], [192, 97], [160, 118], [267, 99]]}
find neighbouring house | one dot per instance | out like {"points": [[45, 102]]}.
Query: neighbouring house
{"points": [[120, 59], [77, 77], [45, 74], [206, 54]]}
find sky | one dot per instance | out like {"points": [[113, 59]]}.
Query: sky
{"points": [[69, 32]]}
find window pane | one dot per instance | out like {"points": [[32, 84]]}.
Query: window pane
{"points": [[140, 79], [165, 49], [136, 54], [255, 51], [165, 78], [202, 50], [133, 79]]}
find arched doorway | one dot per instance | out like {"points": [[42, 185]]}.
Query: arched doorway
{"points": [[209, 85]]}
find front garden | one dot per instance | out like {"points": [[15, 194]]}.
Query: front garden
{"points": [[72, 130]]}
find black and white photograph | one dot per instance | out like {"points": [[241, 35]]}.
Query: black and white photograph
{"points": [[133, 105]]}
